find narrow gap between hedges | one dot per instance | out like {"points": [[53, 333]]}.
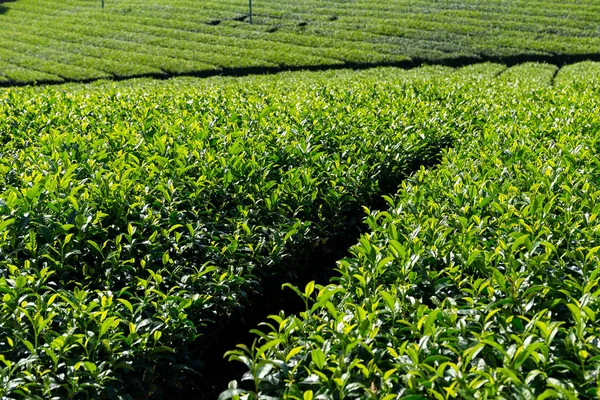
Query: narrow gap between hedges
{"points": [[318, 266]]}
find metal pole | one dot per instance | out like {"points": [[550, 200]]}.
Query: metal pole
{"points": [[250, 8]]}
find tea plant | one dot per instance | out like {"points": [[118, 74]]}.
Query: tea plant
{"points": [[136, 218]]}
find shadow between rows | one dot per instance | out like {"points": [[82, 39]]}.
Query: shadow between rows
{"points": [[319, 265], [4, 9], [559, 60]]}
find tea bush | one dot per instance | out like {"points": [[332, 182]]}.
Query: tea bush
{"points": [[480, 280]]}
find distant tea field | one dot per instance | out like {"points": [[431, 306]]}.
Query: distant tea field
{"points": [[78, 40]]}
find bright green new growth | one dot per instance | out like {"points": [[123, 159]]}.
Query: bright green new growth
{"points": [[139, 219]]}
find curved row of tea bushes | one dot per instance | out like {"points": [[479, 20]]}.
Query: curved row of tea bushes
{"points": [[136, 218], [481, 280]]}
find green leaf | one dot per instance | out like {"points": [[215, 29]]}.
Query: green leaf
{"points": [[398, 249], [90, 367], [29, 346], [575, 312], [549, 394], [591, 253], [318, 357], [431, 360], [108, 323], [385, 261], [524, 355], [293, 352], [310, 288], [6, 223], [499, 278], [473, 256], [324, 296], [431, 318], [294, 288], [262, 349], [389, 300], [127, 304], [519, 242], [95, 246], [472, 352], [162, 349], [73, 202], [231, 394], [174, 227]]}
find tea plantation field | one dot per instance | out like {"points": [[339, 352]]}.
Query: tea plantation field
{"points": [[139, 220], [76, 40]]}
